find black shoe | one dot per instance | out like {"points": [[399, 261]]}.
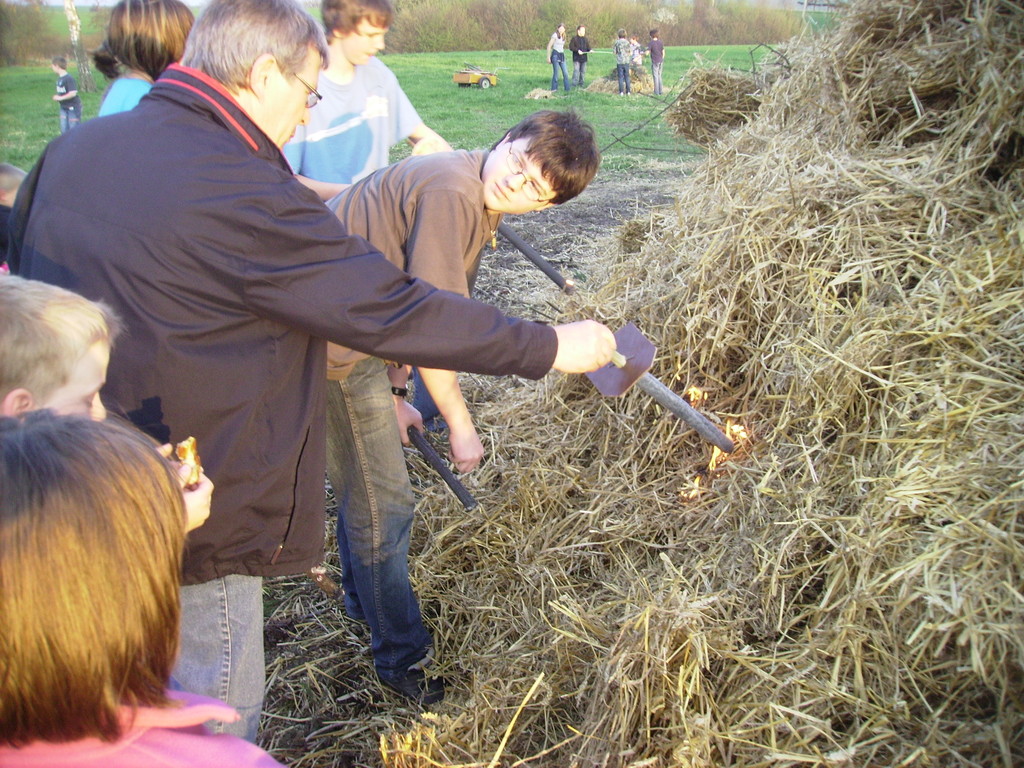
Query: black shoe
{"points": [[417, 687]]}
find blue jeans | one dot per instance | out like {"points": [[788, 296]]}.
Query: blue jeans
{"points": [[622, 72], [422, 401], [558, 62], [221, 652], [656, 74], [366, 467], [69, 118], [579, 73]]}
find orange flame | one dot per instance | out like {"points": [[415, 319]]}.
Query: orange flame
{"points": [[737, 433], [696, 396]]}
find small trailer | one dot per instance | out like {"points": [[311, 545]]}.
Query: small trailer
{"points": [[472, 75]]}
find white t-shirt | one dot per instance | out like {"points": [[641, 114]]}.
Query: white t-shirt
{"points": [[353, 128]]}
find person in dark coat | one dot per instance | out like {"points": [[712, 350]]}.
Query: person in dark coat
{"points": [[10, 180], [580, 47], [230, 276]]}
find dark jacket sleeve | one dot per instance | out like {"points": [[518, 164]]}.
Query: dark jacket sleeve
{"points": [[338, 287], [17, 224]]}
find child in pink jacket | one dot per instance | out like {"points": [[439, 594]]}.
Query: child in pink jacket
{"points": [[92, 526]]}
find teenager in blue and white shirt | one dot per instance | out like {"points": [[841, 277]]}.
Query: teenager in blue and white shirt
{"points": [[364, 111]]}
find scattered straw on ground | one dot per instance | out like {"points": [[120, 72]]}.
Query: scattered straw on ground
{"points": [[843, 276], [640, 81]]}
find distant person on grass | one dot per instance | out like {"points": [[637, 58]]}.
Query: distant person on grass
{"points": [[580, 47], [556, 58], [623, 56], [143, 38], [656, 50], [636, 53], [363, 111], [66, 95], [431, 216]]}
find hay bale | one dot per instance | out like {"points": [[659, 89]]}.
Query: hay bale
{"points": [[604, 85], [640, 81], [843, 276], [633, 234], [713, 101], [718, 99]]}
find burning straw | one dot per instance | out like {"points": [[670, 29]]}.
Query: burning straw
{"points": [[844, 278]]}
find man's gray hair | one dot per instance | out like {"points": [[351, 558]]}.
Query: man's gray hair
{"points": [[230, 35]]}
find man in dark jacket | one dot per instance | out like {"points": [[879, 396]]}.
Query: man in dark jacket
{"points": [[229, 275]]}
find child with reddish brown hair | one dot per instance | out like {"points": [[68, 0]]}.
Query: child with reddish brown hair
{"points": [[92, 527]]}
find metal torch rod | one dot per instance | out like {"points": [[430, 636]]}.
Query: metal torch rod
{"points": [[545, 266], [680, 408], [441, 467]]}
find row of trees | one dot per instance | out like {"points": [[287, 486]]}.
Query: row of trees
{"points": [[483, 25], [33, 32]]}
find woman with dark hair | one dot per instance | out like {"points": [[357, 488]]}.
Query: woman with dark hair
{"points": [[143, 38], [92, 525]]}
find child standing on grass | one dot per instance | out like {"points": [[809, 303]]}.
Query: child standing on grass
{"points": [[656, 49], [580, 47], [636, 53], [66, 95], [623, 54]]}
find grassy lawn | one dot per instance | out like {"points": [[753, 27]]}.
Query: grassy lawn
{"points": [[474, 117], [28, 119], [469, 118]]}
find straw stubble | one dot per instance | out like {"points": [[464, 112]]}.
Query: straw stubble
{"points": [[843, 275]]}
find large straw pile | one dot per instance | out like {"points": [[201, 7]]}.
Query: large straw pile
{"points": [[845, 277]]}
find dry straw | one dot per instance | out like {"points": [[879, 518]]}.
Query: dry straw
{"points": [[714, 101], [843, 275], [640, 81]]}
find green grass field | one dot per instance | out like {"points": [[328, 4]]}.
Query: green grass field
{"points": [[468, 118]]}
